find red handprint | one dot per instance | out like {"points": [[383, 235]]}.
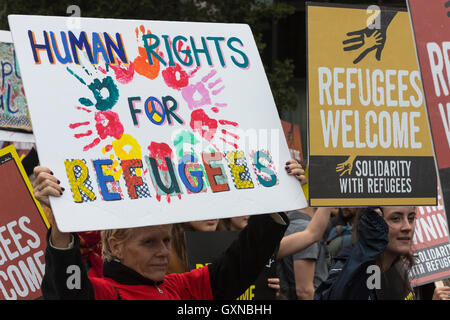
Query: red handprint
{"points": [[175, 76], [107, 124], [207, 127]]}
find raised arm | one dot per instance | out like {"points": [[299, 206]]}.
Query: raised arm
{"points": [[235, 270], [46, 184], [349, 281], [301, 240], [62, 256], [240, 265]]}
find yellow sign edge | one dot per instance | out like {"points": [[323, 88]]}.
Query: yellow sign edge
{"points": [[11, 150]]}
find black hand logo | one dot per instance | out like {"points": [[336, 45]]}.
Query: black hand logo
{"points": [[369, 39], [366, 41]]}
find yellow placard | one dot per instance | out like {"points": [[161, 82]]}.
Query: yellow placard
{"points": [[368, 129], [374, 89]]}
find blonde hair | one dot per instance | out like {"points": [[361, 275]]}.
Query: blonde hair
{"points": [[122, 235]]}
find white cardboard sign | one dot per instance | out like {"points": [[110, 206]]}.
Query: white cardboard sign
{"points": [[153, 122]]}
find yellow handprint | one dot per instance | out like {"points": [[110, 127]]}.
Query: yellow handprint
{"points": [[347, 166]]}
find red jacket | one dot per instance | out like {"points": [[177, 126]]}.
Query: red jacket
{"points": [[192, 285]]}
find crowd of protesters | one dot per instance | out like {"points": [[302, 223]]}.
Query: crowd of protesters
{"points": [[322, 254]]}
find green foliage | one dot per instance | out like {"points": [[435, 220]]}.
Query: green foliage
{"points": [[279, 79], [260, 15]]}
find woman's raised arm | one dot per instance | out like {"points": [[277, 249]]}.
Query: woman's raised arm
{"points": [[301, 240]]}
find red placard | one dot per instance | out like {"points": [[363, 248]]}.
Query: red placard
{"points": [[431, 245], [431, 27], [23, 228], [293, 139]]}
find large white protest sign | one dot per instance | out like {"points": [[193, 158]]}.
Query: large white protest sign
{"points": [[153, 122]]}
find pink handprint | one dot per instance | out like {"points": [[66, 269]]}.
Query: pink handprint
{"points": [[124, 74], [200, 94]]}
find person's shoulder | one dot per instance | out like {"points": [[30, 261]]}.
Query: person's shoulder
{"points": [[194, 284], [297, 226], [298, 218], [103, 281], [104, 288], [192, 274]]}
